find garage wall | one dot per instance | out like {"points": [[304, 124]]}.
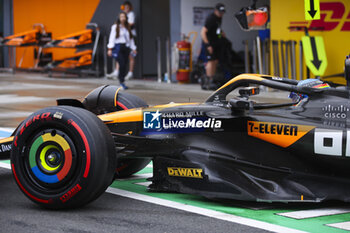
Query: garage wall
{"points": [[229, 24], [60, 17]]}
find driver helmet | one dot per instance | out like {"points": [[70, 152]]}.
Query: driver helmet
{"points": [[313, 83]]}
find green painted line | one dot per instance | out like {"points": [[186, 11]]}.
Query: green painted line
{"points": [[316, 224], [265, 215], [146, 170], [6, 161]]}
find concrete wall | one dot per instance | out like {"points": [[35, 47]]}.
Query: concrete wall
{"points": [[229, 23]]}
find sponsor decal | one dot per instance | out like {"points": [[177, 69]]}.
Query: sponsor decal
{"points": [[5, 148], [277, 78], [335, 112], [71, 193], [191, 123], [43, 116], [58, 115], [339, 124], [279, 134], [180, 120], [151, 120], [181, 114], [331, 142], [185, 172], [332, 14]]}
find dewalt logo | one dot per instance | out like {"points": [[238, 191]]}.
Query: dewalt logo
{"points": [[279, 134], [186, 172]]}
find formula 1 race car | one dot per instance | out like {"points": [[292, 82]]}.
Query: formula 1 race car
{"points": [[227, 147]]}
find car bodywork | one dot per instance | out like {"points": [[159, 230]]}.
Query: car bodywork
{"points": [[238, 149]]}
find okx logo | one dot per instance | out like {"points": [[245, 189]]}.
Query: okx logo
{"points": [[151, 120]]}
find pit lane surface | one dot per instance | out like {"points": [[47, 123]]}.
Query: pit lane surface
{"points": [[110, 213], [127, 206]]}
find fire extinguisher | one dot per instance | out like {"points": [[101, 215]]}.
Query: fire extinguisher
{"points": [[184, 60]]}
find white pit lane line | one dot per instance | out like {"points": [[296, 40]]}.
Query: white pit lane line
{"points": [[342, 225], [5, 165], [11, 99], [138, 176], [202, 211], [146, 184], [303, 214], [195, 210]]}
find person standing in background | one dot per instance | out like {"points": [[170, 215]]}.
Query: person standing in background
{"points": [[119, 45], [211, 33], [128, 9]]}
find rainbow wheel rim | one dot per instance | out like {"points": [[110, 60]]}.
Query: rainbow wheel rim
{"points": [[50, 158]]}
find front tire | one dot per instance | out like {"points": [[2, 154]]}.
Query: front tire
{"points": [[63, 157]]}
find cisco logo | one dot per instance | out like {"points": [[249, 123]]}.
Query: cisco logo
{"points": [[335, 112]]}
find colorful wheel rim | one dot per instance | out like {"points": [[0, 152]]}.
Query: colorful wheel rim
{"points": [[50, 158]]}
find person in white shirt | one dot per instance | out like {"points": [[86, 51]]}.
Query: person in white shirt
{"points": [[127, 8], [119, 45]]}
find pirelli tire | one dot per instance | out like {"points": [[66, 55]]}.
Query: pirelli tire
{"points": [[106, 99], [63, 157]]}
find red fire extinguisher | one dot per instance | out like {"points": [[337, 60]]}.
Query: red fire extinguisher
{"points": [[185, 60]]}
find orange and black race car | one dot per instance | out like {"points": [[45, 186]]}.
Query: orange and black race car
{"points": [[227, 147]]}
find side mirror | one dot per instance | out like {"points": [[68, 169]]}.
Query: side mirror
{"points": [[249, 91], [240, 104]]}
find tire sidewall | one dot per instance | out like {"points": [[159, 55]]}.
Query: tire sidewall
{"points": [[80, 189]]}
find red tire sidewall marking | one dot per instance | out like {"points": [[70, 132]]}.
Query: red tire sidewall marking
{"points": [[87, 147], [25, 191]]}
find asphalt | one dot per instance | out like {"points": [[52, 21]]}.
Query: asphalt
{"points": [[21, 94], [109, 213]]}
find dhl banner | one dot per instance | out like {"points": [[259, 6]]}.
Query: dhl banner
{"points": [[334, 21]]}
